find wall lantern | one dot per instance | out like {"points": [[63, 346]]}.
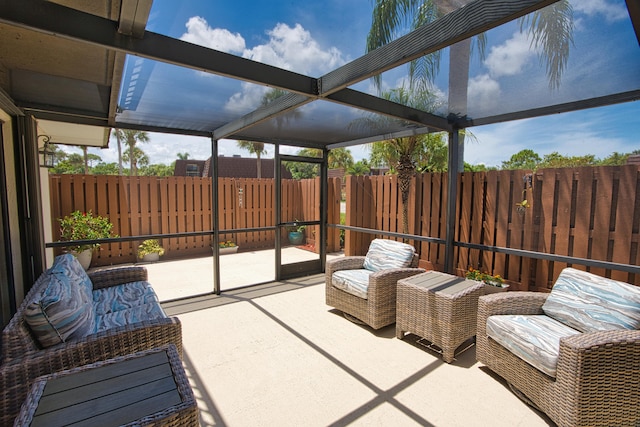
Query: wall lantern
{"points": [[48, 153]]}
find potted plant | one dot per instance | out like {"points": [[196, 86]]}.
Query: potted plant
{"points": [[296, 233], [492, 284], [227, 247], [84, 226], [150, 250]]}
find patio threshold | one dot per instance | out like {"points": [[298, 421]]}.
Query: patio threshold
{"points": [[275, 354]]}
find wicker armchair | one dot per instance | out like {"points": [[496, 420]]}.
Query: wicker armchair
{"points": [[23, 359], [378, 309], [597, 372]]}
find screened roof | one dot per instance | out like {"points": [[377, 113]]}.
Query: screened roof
{"points": [[99, 63]]}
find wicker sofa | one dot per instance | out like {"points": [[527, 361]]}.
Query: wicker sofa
{"points": [[364, 287], [573, 353], [127, 318]]}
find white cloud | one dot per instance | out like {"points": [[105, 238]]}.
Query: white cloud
{"points": [[509, 58], [246, 100], [290, 48], [293, 48], [484, 91], [199, 32], [611, 12]]}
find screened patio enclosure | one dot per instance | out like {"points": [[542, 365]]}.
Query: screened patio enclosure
{"points": [[104, 64]]}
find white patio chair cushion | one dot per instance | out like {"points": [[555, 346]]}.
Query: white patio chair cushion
{"points": [[354, 282], [384, 254], [533, 338]]}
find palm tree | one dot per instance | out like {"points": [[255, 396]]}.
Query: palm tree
{"points": [[131, 138], [401, 152], [85, 158], [550, 29], [359, 168], [256, 148], [183, 156], [340, 158], [119, 135], [136, 157]]}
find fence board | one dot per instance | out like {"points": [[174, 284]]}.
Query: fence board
{"points": [[583, 181], [463, 208], [489, 223], [476, 216], [564, 178], [601, 217], [623, 222]]}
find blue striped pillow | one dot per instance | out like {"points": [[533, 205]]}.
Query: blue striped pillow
{"points": [[384, 254], [62, 312], [68, 265], [589, 303]]}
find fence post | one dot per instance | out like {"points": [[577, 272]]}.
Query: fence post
{"points": [[451, 199]]}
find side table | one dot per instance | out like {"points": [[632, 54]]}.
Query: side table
{"points": [[146, 388], [438, 307]]}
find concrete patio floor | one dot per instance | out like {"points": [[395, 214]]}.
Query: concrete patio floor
{"points": [[276, 355], [186, 277]]}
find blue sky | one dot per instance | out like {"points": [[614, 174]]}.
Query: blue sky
{"points": [[315, 37]]}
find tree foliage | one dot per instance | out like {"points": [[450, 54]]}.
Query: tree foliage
{"points": [[528, 159], [524, 159], [304, 170], [133, 154], [359, 168], [340, 158]]}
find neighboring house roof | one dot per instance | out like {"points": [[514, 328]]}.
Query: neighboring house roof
{"points": [[228, 167], [633, 159]]}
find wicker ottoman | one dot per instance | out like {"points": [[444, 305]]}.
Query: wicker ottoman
{"points": [[438, 307], [146, 388]]}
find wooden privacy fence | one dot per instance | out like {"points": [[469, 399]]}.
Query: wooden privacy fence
{"points": [[590, 212], [163, 205]]}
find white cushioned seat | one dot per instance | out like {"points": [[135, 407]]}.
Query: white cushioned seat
{"points": [[355, 282], [533, 338]]}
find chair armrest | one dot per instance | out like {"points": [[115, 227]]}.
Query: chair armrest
{"points": [[603, 345], [344, 263], [117, 276], [596, 367], [512, 303]]}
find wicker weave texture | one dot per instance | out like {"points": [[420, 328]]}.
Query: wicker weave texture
{"points": [[598, 374], [184, 414], [379, 309], [23, 360], [445, 320]]}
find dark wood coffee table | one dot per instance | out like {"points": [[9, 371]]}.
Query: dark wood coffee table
{"points": [[145, 388], [439, 307]]}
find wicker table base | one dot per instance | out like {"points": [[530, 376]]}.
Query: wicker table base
{"points": [[439, 307], [146, 388]]}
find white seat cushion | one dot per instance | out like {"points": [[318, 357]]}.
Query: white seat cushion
{"points": [[355, 282], [533, 338]]}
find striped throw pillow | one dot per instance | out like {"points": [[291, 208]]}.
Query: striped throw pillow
{"points": [[384, 254], [589, 303], [63, 312]]}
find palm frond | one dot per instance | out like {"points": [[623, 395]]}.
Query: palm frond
{"points": [[551, 29]]}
